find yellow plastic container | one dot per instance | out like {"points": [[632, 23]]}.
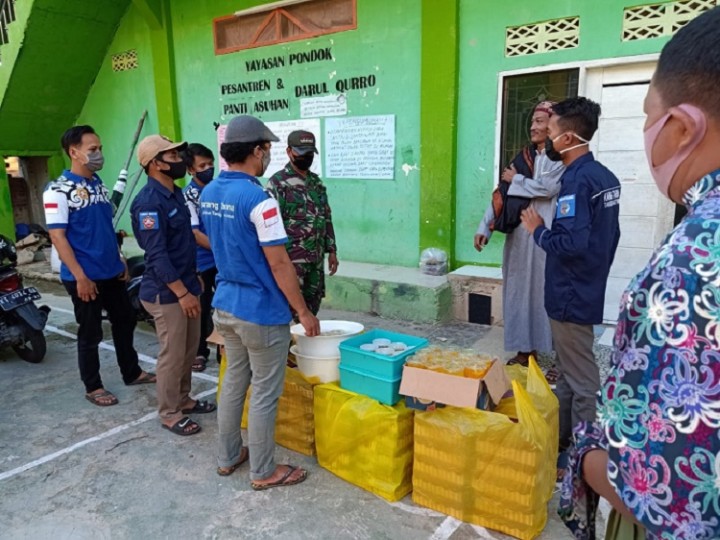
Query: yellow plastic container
{"points": [[364, 442], [483, 468]]}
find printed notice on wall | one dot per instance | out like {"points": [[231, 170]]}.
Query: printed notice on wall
{"points": [[332, 105], [279, 157], [360, 147]]}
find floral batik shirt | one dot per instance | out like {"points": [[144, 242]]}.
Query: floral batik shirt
{"points": [[660, 406]]}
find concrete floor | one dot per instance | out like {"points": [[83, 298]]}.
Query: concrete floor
{"points": [[70, 470]]}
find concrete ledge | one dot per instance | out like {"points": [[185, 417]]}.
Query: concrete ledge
{"points": [[480, 280], [389, 291]]}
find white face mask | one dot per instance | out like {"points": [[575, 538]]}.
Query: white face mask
{"points": [[265, 161]]}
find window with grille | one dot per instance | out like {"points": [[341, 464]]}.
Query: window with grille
{"points": [[657, 20], [283, 21], [521, 93], [546, 36]]}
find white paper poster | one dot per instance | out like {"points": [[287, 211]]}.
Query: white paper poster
{"points": [[360, 147], [314, 107], [279, 157]]}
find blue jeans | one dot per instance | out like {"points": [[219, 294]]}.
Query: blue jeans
{"points": [[254, 354]]}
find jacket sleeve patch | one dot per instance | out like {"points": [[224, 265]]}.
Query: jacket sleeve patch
{"points": [[565, 207]]}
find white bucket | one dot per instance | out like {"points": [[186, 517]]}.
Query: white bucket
{"points": [[317, 368], [54, 260], [325, 346]]}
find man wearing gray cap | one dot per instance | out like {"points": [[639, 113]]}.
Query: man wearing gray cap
{"points": [[255, 282], [170, 286]]}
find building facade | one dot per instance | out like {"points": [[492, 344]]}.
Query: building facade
{"points": [[417, 104]]}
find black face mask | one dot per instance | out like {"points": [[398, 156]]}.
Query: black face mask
{"points": [[304, 162], [550, 152], [206, 176], [177, 169]]}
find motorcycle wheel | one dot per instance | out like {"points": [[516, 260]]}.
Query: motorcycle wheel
{"points": [[34, 348]]}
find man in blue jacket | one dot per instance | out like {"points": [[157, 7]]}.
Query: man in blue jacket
{"points": [[580, 249], [170, 286]]}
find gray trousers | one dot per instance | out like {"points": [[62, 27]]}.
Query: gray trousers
{"points": [[579, 380], [254, 354]]}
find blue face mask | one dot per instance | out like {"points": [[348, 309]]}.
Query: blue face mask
{"points": [[206, 176]]}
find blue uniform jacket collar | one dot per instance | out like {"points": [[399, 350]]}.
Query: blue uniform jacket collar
{"points": [[157, 186], [581, 161]]}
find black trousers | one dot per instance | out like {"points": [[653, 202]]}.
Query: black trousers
{"points": [[112, 296], [206, 323]]}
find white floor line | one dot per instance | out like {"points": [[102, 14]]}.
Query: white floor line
{"points": [[482, 532], [446, 528], [72, 448], [77, 446], [141, 357], [417, 510]]}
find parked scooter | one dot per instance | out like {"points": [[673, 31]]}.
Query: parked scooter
{"points": [[21, 321]]}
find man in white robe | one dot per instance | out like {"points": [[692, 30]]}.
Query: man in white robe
{"points": [[527, 327]]}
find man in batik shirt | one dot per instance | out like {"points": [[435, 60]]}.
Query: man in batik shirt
{"points": [[655, 451], [306, 214]]}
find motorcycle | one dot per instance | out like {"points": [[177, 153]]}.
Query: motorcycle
{"points": [[21, 321]]}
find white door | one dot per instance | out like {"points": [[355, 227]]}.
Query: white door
{"points": [[645, 215]]}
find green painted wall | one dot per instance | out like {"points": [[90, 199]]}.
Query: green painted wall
{"points": [[481, 43], [375, 220], [438, 123], [118, 99], [10, 51], [62, 47]]}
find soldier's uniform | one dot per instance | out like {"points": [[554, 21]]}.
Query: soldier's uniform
{"points": [[308, 223]]}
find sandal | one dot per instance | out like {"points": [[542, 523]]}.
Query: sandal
{"points": [[283, 481], [199, 364], [102, 399], [184, 427], [552, 375], [227, 471], [200, 407], [145, 378]]}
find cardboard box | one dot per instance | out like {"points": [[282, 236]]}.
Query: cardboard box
{"points": [[427, 390]]}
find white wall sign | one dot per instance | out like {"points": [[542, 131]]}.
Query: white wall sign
{"points": [[360, 147], [282, 129], [332, 105]]}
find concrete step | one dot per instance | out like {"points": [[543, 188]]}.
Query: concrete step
{"points": [[393, 292]]}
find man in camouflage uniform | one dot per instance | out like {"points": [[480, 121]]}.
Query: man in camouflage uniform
{"points": [[306, 214]]}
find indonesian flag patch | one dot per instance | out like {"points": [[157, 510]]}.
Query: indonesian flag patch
{"points": [[51, 208], [270, 217]]}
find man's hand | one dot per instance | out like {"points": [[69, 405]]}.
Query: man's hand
{"points": [[480, 241], [125, 273], [509, 173], [86, 289], [310, 323], [333, 263], [531, 220], [190, 306]]}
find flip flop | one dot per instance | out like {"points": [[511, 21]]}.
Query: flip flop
{"points": [[283, 481], [95, 399], [200, 364], [178, 428], [227, 471], [200, 407], [146, 378]]}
